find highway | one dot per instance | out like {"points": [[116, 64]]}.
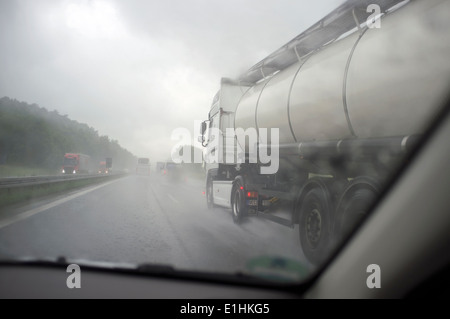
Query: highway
{"points": [[142, 219]]}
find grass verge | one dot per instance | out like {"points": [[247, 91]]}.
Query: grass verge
{"points": [[13, 195], [22, 171]]}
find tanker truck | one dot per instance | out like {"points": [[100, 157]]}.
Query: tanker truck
{"points": [[337, 108]]}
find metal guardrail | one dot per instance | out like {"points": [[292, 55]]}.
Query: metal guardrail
{"points": [[11, 182]]}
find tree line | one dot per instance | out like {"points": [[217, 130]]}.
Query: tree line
{"points": [[32, 136]]}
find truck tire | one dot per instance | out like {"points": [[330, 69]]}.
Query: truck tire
{"points": [[353, 205], [315, 223], [238, 207]]}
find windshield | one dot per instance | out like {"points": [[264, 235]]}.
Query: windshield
{"points": [[316, 105], [70, 161], [171, 166], [143, 161]]}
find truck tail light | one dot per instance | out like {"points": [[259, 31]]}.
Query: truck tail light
{"points": [[252, 194]]}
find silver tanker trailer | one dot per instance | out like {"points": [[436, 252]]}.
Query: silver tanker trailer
{"points": [[336, 108]]}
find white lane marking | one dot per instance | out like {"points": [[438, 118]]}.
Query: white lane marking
{"points": [[173, 198], [34, 211]]}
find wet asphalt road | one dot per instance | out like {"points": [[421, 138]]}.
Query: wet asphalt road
{"points": [[143, 219]]}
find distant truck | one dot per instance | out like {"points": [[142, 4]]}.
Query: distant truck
{"points": [[171, 170], [105, 167], [109, 163], [143, 166], [102, 169], [160, 166], [76, 163]]}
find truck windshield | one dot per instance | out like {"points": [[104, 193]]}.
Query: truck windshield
{"points": [[316, 105], [70, 161], [143, 161], [171, 165]]}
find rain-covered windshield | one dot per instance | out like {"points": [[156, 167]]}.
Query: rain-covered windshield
{"points": [[238, 136]]}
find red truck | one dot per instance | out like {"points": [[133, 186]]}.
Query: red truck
{"points": [[75, 163], [102, 168]]}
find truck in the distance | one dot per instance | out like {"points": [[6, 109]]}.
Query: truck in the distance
{"points": [[102, 169], [159, 167], [105, 167], [76, 163], [348, 99], [171, 171], [143, 166]]}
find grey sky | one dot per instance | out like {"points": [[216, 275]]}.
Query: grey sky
{"points": [[135, 70]]}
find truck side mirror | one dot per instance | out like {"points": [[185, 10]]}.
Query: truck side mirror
{"points": [[203, 128]]}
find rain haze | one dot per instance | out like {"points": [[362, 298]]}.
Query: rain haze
{"points": [[136, 70]]}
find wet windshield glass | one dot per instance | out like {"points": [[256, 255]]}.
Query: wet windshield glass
{"points": [[216, 136]]}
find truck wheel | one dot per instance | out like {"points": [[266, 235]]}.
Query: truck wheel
{"points": [[238, 206], [315, 224], [354, 204], [209, 194]]}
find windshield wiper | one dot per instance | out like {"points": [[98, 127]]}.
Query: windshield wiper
{"points": [[145, 268], [149, 269]]}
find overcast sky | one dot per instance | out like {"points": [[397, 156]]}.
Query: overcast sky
{"points": [[135, 70]]}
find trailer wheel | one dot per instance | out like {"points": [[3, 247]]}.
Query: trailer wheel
{"points": [[315, 223], [238, 206], [354, 204]]}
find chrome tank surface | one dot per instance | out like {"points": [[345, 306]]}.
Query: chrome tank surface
{"points": [[374, 83]]}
